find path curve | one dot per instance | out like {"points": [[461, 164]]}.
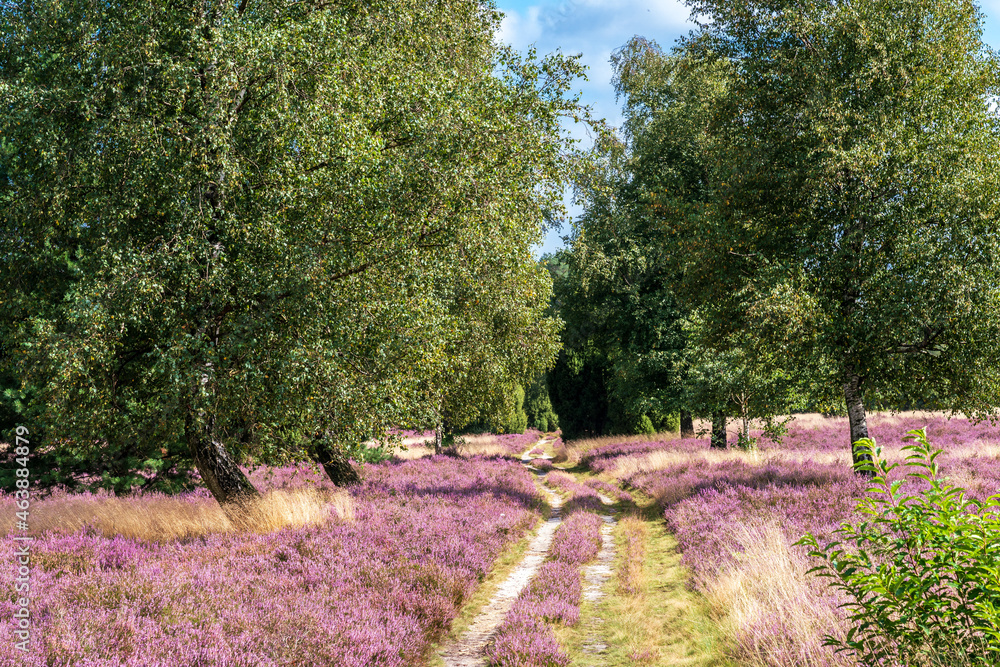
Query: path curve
{"points": [[467, 651]]}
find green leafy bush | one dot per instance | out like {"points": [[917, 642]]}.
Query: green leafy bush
{"points": [[672, 422], [538, 406], [746, 441], [922, 572]]}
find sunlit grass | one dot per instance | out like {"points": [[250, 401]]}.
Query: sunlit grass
{"points": [[159, 518]]}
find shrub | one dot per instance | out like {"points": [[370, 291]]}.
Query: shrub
{"points": [[542, 464], [538, 406], [923, 574], [672, 423]]}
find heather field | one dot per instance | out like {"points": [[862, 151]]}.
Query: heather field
{"points": [[704, 567], [369, 577], [736, 516]]}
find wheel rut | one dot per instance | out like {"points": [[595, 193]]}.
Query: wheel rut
{"points": [[595, 578]]}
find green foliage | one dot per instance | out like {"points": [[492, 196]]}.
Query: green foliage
{"points": [[250, 223], [849, 196], [745, 379], [514, 420], [508, 415], [538, 406], [378, 454], [922, 573], [776, 429], [671, 423], [578, 390], [645, 425], [812, 185]]}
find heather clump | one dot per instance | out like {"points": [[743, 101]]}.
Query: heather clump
{"points": [[816, 433], [711, 523], [554, 594], [736, 524], [609, 490], [525, 640], [563, 454], [516, 443], [581, 497], [372, 592], [578, 539]]}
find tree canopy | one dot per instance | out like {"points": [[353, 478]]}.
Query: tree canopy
{"points": [[230, 228], [815, 183]]}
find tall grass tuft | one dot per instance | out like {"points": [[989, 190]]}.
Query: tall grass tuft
{"points": [[161, 518], [633, 549]]}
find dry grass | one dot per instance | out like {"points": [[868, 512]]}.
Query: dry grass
{"points": [[571, 452], [165, 518], [658, 460], [414, 451], [634, 534], [297, 508], [467, 445], [480, 445], [766, 586]]}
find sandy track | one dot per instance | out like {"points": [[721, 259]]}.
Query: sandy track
{"points": [[595, 578], [467, 651]]}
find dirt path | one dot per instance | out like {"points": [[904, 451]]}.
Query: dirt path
{"points": [[595, 578], [468, 650]]}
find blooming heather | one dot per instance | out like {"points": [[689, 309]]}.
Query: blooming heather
{"points": [[578, 539], [516, 443], [609, 489], [580, 497], [373, 592], [525, 638], [736, 517]]}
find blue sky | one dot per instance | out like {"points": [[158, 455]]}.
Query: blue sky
{"points": [[595, 28]]}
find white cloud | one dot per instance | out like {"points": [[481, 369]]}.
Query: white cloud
{"points": [[594, 28], [519, 30]]}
